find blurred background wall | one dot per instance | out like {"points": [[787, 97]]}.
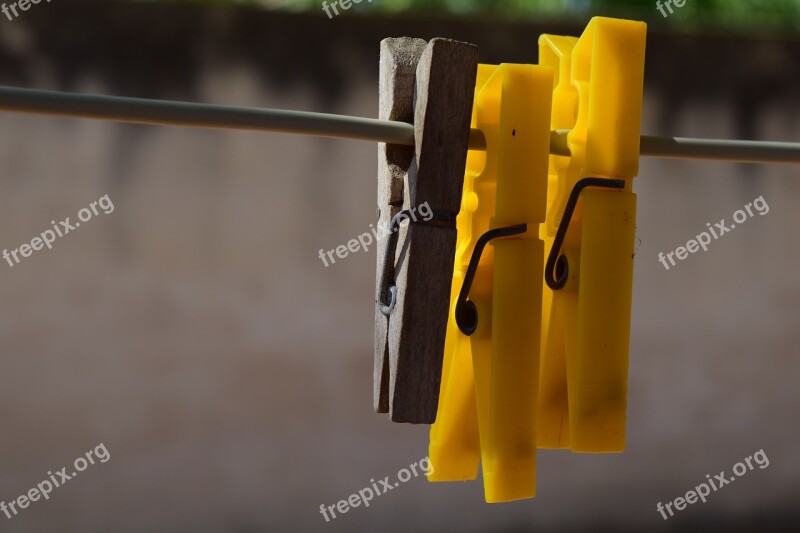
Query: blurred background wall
{"points": [[195, 332]]}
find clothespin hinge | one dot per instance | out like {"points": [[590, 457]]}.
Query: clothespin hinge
{"points": [[556, 271], [466, 312], [387, 293]]}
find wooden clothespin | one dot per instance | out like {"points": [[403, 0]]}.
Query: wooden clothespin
{"points": [[432, 86]]}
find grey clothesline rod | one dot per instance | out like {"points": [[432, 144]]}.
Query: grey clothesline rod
{"points": [[711, 149], [173, 113]]}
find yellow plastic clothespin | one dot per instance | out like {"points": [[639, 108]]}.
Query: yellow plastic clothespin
{"points": [[590, 232], [488, 398], [498, 400]]}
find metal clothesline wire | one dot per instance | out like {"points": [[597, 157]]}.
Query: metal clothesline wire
{"points": [[174, 113]]}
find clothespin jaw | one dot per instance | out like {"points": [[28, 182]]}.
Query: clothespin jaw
{"points": [[498, 331], [415, 264], [589, 233]]}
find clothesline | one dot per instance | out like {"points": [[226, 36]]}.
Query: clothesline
{"points": [[175, 113]]}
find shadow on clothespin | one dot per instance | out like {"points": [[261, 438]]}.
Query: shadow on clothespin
{"points": [[419, 196], [589, 234]]}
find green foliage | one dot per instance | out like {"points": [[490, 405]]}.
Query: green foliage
{"points": [[740, 14]]}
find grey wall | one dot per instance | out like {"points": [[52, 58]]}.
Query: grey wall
{"points": [[195, 332]]}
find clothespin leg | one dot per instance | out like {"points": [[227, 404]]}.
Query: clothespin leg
{"points": [[398, 72], [454, 448]]}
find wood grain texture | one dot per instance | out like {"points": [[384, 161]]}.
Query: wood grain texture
{"points": [[398, 68], [445, 85]]}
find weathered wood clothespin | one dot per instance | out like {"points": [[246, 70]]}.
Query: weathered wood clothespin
{"points": [[431, 85]]}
